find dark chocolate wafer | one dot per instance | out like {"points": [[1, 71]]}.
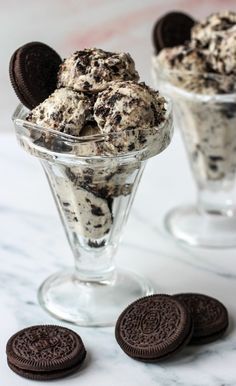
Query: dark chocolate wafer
{"points": [[45, 352], [154, 328], [210, 317], [172, 29], [33, 72], [45, 375]]}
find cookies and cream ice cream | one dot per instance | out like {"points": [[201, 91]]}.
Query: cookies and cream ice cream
{"points": [[90, 70], [217, 24], [85, 212], [202, 63], [65, 110], [128, 105], [200, 77], [107, 114]]}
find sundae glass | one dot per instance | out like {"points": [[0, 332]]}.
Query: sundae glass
{"points": [[93, 195], [93, 144], [200, 78]]}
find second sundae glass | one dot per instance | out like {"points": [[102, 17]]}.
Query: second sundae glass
{"points": [[208, 124], [93, 194]]}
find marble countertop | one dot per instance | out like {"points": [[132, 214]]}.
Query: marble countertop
{"points": [[32, 246], [32, 242]]}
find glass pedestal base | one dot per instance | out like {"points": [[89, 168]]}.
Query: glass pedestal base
{"points": [[68, 298], [194, 228]]}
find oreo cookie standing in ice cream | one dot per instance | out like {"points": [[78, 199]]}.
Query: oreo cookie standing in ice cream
{"points": [[171, 30], [33, 72]]}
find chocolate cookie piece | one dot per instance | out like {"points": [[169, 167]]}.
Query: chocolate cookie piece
{"points": [[33, 72], [153, 328], [210, 317], [172, 29], [45, 352]]}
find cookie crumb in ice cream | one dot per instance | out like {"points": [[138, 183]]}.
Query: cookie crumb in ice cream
{"points": [[201, 64], [92, 69], [98, 96], [200, 77], [217, 24], [65, 110], [128, 105]]}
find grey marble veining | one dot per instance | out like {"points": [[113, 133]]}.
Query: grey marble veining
{"points": [[32, 246]]}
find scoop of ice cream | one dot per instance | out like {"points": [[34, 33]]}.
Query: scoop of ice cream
{"points": [[214, 25], [222, 52], [185, 67], [91, 69], [192, 72], [198, 65], [183, 58], [217, 34], [65, 110], [127, 105]]}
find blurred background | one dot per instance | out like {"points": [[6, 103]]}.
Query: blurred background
{"points": [[67, 25]]}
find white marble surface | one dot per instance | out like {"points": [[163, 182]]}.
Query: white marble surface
{"points": [[32, 243], [32, 246]]}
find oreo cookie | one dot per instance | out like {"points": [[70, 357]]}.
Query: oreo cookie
{"points": [[154, 328], [171, 30], [210, 317], [45, 352], [33, 72]]}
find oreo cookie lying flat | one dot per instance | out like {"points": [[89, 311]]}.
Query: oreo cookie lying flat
{"points": [[154, 328], [45, 352], [33, 72], [210, 317], [171, 30]]}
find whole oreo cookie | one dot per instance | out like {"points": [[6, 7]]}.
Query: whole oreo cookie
{"points": [[154, 328], [45, 352], [210, 317], [33, 72], [171, 30]]}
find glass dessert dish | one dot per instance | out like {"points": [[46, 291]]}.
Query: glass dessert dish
{"points": [[93, 180], [207, 122]]}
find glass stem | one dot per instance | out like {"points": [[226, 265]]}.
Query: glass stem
{"points": [[94, 264], [217, 202]]}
